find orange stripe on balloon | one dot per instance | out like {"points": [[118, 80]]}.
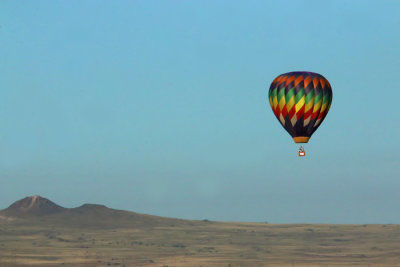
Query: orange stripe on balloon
{"points": [[327, 82], [277, 80], [298, 80], [307, 80], [290, 79], [283, 80], [322, 81], [315, 82]]}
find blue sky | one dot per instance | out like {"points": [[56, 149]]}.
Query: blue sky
{"points": [[160, 107]]}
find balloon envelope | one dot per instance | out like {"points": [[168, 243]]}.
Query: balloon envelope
{"points": [[300, 100]]}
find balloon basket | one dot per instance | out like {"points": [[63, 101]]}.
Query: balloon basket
{"points": [[302, 152]]}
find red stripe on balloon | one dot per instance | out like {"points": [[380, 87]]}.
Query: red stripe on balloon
{"points": [[300, 112], [314, 115], [321, 115], [307, 114], [284, 111], [278, 111], [292, 112]]}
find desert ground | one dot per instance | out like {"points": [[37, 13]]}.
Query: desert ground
{"points": [[94, 235]]}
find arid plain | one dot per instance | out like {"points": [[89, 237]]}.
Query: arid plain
{"points": [[36, 232]]}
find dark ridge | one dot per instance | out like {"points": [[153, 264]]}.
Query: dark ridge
{"points": [[91, 206]]}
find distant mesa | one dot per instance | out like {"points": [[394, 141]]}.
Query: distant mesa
{"points": [[92, 207]]}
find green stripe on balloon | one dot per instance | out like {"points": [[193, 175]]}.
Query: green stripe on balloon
{"points": [[289, 95], [273, 93], [326, 98], [318, 98], [299, 95], [310, 96], [281, 94]]}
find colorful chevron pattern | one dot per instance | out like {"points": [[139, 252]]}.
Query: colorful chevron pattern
{"points": [[300, 101]]}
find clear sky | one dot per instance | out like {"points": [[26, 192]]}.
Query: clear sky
{"points": [[160, 107]]}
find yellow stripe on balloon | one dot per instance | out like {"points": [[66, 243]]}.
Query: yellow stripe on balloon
{"points": [[300, 104], [270, 102], [275, 102], [323, 107], [281, 103], [329, 106], [317, 106], [290, 103], [309, 105]]}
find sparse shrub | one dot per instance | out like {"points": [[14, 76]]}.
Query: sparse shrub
{"points": [[179, 245]]}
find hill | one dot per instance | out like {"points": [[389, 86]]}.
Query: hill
{"points": [[32, 206], [36, 209]]}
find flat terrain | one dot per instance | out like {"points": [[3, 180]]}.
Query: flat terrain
{"points": [[37, 232], [201, 243]]}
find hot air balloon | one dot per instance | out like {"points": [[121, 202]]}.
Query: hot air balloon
{"points": [[300, 101]]}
